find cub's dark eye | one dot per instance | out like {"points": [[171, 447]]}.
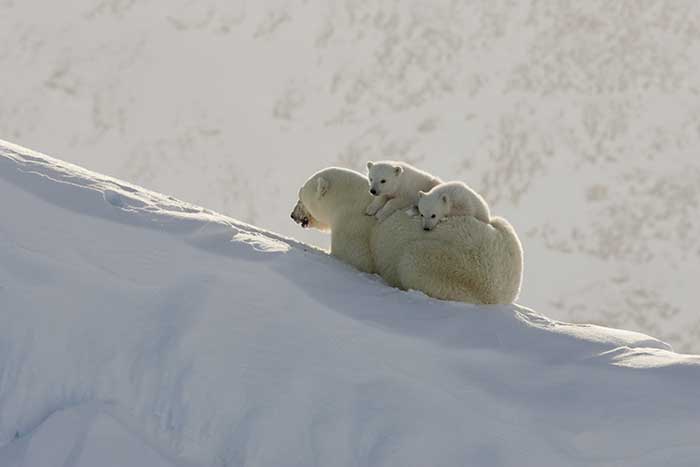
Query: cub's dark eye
{"points": [[433, 216], [383, 181], [422, 215]]}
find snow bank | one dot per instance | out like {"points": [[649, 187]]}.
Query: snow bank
{"points": [[135, 328], [595, 102]]}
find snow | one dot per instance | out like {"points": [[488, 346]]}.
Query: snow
{"points": [[137, 329], [209, 100], [83, 436]]}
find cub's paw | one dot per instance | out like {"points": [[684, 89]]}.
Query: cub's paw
{"points": [[412, 211], [382, 215]]}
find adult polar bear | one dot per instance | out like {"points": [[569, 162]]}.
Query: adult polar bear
{"points": [[462, 259]]}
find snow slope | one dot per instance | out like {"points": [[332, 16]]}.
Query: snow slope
{"points": [[136, 329], [209, 100]]}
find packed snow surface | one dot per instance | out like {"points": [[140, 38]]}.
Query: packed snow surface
{"points": [[575, 120], [136, 329]]}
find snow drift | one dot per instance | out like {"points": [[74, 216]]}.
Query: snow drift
{"points": [[576, 120], [136, 329]]}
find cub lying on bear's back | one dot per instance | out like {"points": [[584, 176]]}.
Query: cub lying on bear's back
{"points": [[395, 186], [448, 200]]}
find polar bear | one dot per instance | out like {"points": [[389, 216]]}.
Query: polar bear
{"points": [[462, 259], [395, 185], [451, 199], [334, 199]]}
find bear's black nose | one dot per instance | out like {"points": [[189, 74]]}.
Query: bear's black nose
{"points": [[426, 229], [373, 191]]}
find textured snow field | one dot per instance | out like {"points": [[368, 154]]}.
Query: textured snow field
{"points": [[578, 121], [136, 329]]}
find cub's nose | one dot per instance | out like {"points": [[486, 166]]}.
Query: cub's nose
{"points": [[373, 191], [427, 229]]}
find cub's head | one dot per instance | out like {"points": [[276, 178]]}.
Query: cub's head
{"points": [[433, 207], [384, 178]]}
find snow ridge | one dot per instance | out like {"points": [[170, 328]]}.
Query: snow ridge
{"points": [[135, 327]]}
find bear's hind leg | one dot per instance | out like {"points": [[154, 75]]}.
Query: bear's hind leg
{"points": [[431, 269]]}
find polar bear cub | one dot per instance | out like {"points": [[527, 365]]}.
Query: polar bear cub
{"points": [[451, 199], [395, 185]]}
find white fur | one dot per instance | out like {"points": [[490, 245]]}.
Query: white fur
{"points": [[395, 185], [338, 207], [451, 199], [462, 259]]}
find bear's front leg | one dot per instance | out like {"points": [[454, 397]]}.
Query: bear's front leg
{"points": [[377, 203], [389, 208]]}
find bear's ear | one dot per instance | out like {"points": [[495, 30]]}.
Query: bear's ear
{"points": [[369, 165], [421, 194], [398, 170], [444, 199], [321, 187]]}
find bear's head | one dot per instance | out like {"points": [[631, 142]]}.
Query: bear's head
{"points": [[433, 207], [384, 178], [330, 193], [302, 217]]}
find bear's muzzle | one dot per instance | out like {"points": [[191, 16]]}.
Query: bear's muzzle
{"points": [[301, 216]]}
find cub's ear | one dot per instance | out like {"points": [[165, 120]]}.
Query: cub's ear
{"points": [[398, 170], [321, 187], [370, 164], [421, 194], [444, 199]]}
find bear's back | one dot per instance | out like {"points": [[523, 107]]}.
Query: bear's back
{"points": [[461, 259]]}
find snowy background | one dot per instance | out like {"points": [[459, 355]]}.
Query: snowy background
{"points": [[578, 121]]}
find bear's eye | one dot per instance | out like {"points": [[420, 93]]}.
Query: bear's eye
{"points": [[383, 181], [433, 216]]}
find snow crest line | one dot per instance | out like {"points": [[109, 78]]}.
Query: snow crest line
{"points": [[136, 329]]}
